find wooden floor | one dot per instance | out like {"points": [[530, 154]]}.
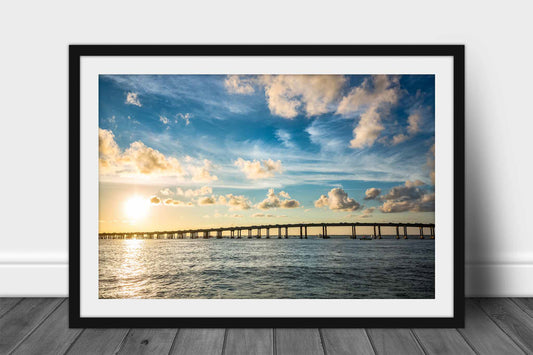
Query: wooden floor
{"points": [[40, 326]]}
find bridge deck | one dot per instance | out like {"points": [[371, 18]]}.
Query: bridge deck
{"points": [[258, 228]]}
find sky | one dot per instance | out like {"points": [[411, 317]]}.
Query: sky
{"points": [[193, 151]]}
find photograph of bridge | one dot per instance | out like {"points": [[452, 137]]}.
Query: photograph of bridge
{"points": [[266, 186]]}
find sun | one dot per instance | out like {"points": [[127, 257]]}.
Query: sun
{"points": [[136, 207]]}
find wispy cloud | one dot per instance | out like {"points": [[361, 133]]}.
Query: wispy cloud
{"points": [[285, 138]]}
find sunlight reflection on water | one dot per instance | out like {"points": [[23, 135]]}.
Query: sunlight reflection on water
{"points": [[132, 267]]}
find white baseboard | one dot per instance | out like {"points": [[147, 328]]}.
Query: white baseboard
{"points": [[51, 280], [499, 280], [34, 280]]}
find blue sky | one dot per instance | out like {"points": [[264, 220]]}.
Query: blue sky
{"points": [[320, 142]]}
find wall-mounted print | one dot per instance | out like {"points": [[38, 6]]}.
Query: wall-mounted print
{"points": [[253, 186]]}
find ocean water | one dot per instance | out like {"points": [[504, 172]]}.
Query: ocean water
{"points": [[267, 268]]}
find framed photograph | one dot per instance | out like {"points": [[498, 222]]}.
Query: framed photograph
{"points": [[266, 186]]}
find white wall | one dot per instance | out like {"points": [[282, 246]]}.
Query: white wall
{"points": [[34, 103]]}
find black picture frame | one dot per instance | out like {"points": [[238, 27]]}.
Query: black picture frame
{"points": [[76, 52]]}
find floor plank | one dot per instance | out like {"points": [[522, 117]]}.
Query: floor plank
{"points": [[442, 341], [516, 323], [199, 341], [298, 342], [148, 341], [394, 341], [52, 337], [249, 341], [7, 303], [20, 320], [346, 341], [98, 342], [484, 335], [526, 304], [40, 326]]}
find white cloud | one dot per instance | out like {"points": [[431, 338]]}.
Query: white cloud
{"points": [[204, 190], [284, 194], [371, 99], [262, 215], [150, 161], [108, 149], [368, 129], [431, 164], [164, 119], [166, 192], [414, 183], [273, 201], [289, 204], [202, 173], [409, 191], [179, 117], [137, 159], [399, 138], [373, 92], [172, 202], [367, 212], [426, 203], [185, 117], [409, 197], [236, 84], [235, 202], [414, 122], [337, 200], [259, 169], [372, 193], [208, 200], [132, 98], [290, 95], [154, 200]]}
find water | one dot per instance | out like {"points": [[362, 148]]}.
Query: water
{"points": [[267, 268]]}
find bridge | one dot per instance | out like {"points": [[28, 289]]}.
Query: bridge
{"points": [[282, 230]]}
